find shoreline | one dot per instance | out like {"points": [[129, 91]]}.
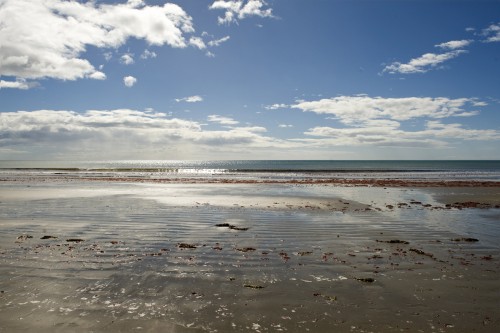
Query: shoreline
{"points": [[370, 182]]}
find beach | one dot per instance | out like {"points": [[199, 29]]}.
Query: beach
{"points": [[184, 254]]}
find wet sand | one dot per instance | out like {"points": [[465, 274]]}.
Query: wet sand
{"points": [[121, 256]]}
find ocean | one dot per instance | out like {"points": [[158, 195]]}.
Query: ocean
{"points": [[483, 170]]}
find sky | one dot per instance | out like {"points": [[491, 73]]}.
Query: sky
{"points": [[249, 79]]}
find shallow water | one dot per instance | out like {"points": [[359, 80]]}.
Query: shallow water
{"points": [[293, 269]]}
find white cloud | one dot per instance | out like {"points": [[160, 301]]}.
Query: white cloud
{"points": [[422, 64], [197, 42], [276, 106], [150, 134], [190, 99], [108, 56], [98, 76], [377, 121], [222, 120], [19, 84], [479, 103], [129, 81], [436, 134], [120, 134], [46, 38], [148, 54], [239, 9], [492, 33], [217, 42], [361, 108], [210, 54], [285, 126], [455, 44], [127, 59]]}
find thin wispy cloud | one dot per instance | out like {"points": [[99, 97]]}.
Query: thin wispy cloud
{"points": [[222, 120], [19, 84], [219, 41], [147, 54], [431, 61], [276, 106], [197, 42], [455, 44], [190, 99], [492, 33], [423, 63]]}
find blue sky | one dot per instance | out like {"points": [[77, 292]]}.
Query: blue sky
{"points": [[249, 79]]}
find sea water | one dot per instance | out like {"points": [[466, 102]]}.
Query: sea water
{"points": [[484, 170]]}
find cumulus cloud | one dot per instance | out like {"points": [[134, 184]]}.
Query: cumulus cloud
{"points": [[455, 44], [145, 134], [129, 81], [119, 133], [190, 99], [377, 121], [127, 59], [97, 76], [423, 63], [239, 9], [46, 38], [362, 108], [492, 33], [222, 120]]}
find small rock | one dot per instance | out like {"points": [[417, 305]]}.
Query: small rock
{"points": [[465, 239], [49, 237], [22, 238], [245, 249], [75, 240], [253, 286], [422, 253], [186, 246], [368, 280], [233, 227], [393, 241]]}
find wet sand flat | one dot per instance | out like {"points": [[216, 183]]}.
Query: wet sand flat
{"points": [[119, 256]]}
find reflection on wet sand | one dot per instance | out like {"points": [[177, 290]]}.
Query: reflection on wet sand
{"points": [[189, 258]]}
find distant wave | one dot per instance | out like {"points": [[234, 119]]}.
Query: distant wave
{"points": [[469, 170]]}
